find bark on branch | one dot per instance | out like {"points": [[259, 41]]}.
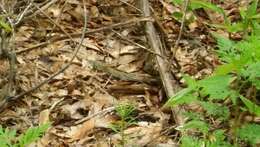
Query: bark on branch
{"points": [[170, 85]]}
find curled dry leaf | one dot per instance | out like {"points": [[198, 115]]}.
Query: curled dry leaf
{"points": [[140, 135], [80, 131]]}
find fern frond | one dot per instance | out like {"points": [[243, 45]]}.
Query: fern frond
{"points": [[32, 134]]}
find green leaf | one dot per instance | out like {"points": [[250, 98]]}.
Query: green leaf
{"points": [[235, 27], [177, 16], [217, 87], [217, 140], [6, 137], [195, 4], [252, 107], [242, 12], [223, 42], [178, 2], [208, 5], [250, 133], [252, 73], [5, 26], [252, 10], [32, 134], [234, 96], [226, 50], [188, 141], [256, 28], [184, 96], [216, 110], [125, 110], [256, 16], [201, 126], [225, 69], [193, 115], [219, 135], [192, 84], [115, 127]]}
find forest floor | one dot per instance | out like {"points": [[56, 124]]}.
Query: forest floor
{"points": [[115, 65]]}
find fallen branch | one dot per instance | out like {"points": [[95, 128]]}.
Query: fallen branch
{"points": [[121, 74], [170, 85]]}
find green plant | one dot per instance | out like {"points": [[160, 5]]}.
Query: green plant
{"points": [[9, 138], [249, 21], [232, 87], [199, 125], [231, 91], [5, 26], [250, 133], [125, 111], [216, 139], [198, 4]]}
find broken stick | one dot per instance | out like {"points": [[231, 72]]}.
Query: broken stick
{"points": [[169, 84]]}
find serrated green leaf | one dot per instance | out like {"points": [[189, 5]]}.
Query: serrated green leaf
{"points": [[188, 141], [226, 50], [252, 73], [182, 97], [32, 134], [201, 126], [217, 110], [193, 115], [7, 137], [250, 133], [216, 87], [252, 107], [218, 140]]}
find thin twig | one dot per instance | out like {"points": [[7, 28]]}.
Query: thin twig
{"points": [[20, 16], [181, 28], [75, 35], [102, 112], [131, 6], [139, 45], [43, 7]]}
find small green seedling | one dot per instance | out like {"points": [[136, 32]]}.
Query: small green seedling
{"points": [[125, 112], [9, 138]]}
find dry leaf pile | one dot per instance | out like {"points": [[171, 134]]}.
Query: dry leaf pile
{"points": [[80, 101]]}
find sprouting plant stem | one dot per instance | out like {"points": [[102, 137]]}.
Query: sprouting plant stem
{"points": [[123, 124]]}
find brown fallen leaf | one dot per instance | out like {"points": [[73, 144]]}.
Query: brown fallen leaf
{"points": [[79, 132], [140, 135], [44, 116]]}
